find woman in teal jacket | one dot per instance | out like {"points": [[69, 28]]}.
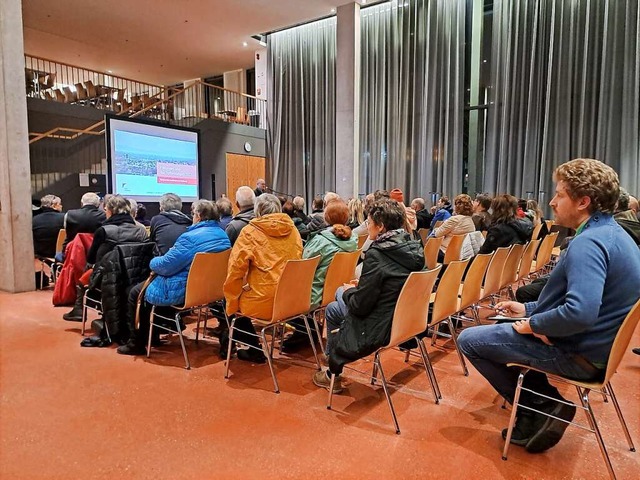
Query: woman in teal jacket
{"points": [[334, 239], [172, 268]]}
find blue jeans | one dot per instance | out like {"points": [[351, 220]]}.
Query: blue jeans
{"points": [[335, 314], [490, 347]]}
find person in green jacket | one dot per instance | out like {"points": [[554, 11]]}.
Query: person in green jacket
{"points": [[334, 239]]}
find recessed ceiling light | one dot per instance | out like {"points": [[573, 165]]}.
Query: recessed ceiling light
{"points": [[244, 44], [333, 10], [109, 71]]}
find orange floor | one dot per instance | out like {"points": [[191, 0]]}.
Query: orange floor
{"points": [[73, 413]]}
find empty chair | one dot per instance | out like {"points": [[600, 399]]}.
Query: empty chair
{"points": [[544, 255], [454, 248], [92, 93], [69, 96], [527, 259], [59, 96], [471, 288], [81, 93], [409, 320], [136, 103], [510, 270], [431, 249], [493, 276]]}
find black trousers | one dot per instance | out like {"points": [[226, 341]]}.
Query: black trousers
{"points": [[531, 292]]}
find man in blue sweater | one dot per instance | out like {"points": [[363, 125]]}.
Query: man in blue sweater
{"points": [[571, 328]]}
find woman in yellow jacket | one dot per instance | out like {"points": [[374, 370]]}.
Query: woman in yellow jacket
{"points": [[256, 264]]}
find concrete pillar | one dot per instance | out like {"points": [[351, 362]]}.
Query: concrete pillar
{"points": [[348, 100], [16, 243]]}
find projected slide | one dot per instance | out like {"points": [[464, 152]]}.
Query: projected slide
{"points": [[148, 161]]}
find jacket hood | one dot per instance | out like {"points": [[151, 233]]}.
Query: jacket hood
{"points": [[274, 224], [403, 250], [523, 227], [176, 216], [348, 245]]}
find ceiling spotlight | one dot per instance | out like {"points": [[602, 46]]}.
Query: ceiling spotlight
{"points": [[109, 71], [244, 44], [333, 10]]}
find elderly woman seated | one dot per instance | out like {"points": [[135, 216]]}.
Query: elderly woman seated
{"points": [[359, 321], [257, 260], [461, 222], [172, 269]]}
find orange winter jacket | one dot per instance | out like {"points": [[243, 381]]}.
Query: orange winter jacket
{"points": [[256, 264]]}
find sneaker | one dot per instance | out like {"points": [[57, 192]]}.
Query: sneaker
{"points": [[321, 379], [527, 425], [552, 429], [252, 355]]}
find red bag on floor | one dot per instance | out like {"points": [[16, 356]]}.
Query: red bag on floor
{"points": [[75, 262]]}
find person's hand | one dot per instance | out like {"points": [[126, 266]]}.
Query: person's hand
{"points": [[523, 327], [347, 286], [511, 309]]}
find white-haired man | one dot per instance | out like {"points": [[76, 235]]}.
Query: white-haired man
{"points": [[86, 219], [245, 198]]}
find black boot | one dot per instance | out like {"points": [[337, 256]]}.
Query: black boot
{"points": [[75, 315]]}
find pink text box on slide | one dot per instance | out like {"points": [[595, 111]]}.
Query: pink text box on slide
{"points": [[177, 174]]}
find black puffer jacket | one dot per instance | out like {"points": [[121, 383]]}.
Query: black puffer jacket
{"points": [[119, 270], [371, 304], [166, 227], [507, 234]]}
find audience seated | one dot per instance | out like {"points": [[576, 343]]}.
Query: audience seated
{"points": [[626, 217], [333, 239], [570, 330], [423, 216], [134, 213], [86, 219], [257, 260], [359, 321], [225, 208], [46, 226], [457, 224], [506, 228], [141, 215], [442, 211], [298, 205], [289, 209], [171, 270], [118, 228], [245, 199], [317, 222], [356, 213], [169, 224], [481, 217]]}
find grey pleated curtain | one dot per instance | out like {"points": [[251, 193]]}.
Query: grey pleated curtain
{"points": [[412, 98], [565, 84], [301, 108]]}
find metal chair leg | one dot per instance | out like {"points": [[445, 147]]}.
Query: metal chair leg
{"points": [[267, 353], [231, 329], [455, 343], [198, 324], [84, 311], [426, 361], [312, 341], [318, 329], [184, 350], [374, 373], [616, 405], [584, 398], [512, 420], [333, 381], [386, 392], [153, 312]]}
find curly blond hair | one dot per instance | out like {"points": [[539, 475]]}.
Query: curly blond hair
{"points": [[586, 177], [463, 205]]}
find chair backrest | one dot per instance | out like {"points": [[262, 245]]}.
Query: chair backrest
{"points": [[527, 258], [544, 252], [51, 80], [120, 94], [342, 269], [69, 96], [536, 231], [494, 271], [424, 234], [81, 92], [446, 301], [293, 294], [454, 248], [62, 235], [472, 285], [431, 249], [48, 96], [550, 224], [622, 340], [59, 96], [412, 309], [361, 239], [241, 115], [510, 270], [206, 278], [91, 89]]}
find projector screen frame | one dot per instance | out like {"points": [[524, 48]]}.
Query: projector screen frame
{"points": [[154, 123]]}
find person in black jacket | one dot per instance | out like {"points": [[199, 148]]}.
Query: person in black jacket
{"points": [[86, 219], [245, 198], [46, 226], [359, 321], [169, 224], [506, 228]]}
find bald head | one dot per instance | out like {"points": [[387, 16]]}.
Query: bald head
{"points": [[633, 204]]}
